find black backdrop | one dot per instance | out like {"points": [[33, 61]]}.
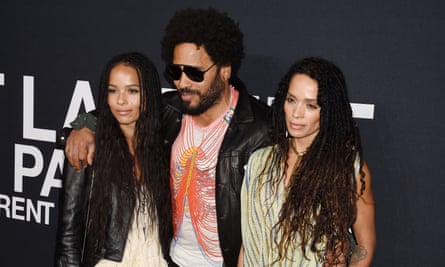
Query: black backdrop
{"points": [[52, 52]]}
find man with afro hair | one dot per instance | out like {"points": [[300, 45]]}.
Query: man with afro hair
{"points": [[218, 126]]}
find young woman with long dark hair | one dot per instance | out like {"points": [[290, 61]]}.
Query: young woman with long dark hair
{"points": [[117, 212]]}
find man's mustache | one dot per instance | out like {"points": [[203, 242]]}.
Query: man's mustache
{"points": [[188, 91]]}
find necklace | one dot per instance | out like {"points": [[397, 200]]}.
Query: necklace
{"points": [[294, 149], [143, 211]]}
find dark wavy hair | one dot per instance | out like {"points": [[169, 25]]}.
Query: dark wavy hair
{"points": [[113, 167], [216, 31], [320, 204]]}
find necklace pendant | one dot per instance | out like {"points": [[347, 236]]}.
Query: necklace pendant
{"points": [[294, 149]]}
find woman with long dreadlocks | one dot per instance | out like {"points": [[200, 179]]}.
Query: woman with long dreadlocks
{"points": [[118, 211], [302, 195]]}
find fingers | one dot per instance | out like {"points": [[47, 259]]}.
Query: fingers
{"points": [[70, 151], [78, 146], [91, 150]]}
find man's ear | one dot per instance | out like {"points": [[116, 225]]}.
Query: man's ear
{"points": [[225, 72]]}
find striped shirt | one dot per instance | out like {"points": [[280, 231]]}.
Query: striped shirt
{"points": [[260, 208]]}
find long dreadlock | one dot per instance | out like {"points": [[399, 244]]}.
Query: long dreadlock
{"points": [[321, 197]]}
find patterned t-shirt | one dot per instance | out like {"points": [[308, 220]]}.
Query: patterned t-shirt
{"points": [[192, 169]]}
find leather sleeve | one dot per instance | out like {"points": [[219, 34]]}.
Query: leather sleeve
{"points": [[82, 120], [61, 137], [71, 219]]}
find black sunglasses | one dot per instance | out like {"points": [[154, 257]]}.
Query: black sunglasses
{"points": [[193, 73]]}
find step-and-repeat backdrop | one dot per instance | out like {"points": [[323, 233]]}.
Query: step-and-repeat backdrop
{"points": [[392, 53]]}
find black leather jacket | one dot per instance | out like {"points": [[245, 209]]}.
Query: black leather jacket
{"points": [[247, 132], [72, 223]]}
